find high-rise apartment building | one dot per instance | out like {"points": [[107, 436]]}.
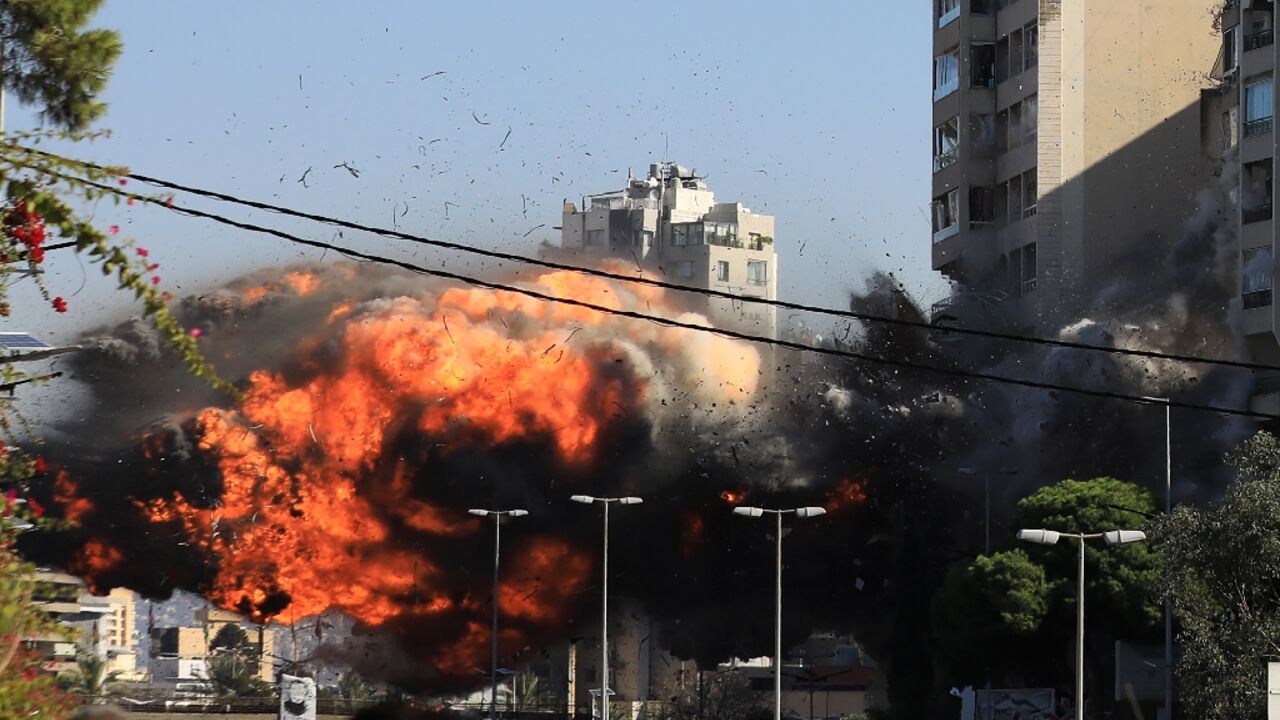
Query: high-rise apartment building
{"points": [[1066, 143], [1246, 67], [670, 224]]}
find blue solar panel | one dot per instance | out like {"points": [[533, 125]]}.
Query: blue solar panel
{"points": [[21, 341]]}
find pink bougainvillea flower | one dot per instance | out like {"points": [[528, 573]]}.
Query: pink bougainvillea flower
{"points": [[196, 332], [133, 201], [36, 508], [155, 279], [113, 229], [40, 466], [143, 252], [124, 181]]}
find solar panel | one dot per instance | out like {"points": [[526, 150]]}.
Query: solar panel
{"points": [[21, 341]]}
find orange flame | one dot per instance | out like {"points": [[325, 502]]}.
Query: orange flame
{"points": [[312, 507]]}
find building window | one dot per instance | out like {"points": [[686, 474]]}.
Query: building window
{"points": [[684, 269], [1002, 59], [722, 270], [981, 7], [1014, 128], [1016, 52], [946, 73], [1260, 32], [1030, 118], [946, 215], [948, 10], [982, 130], [1002, 204], [1031, 45], [1230, 128], [1259, 107], [757, 272], [1015, 198], [1230, 51], [1028, 269], [982, 206], [1029, 193], [946, 143], [645, 238], [1256, 184], [1257, 269], [595, 238], [982, 65]]}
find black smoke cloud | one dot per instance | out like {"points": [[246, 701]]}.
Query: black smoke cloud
{"points": [[814, 426]]}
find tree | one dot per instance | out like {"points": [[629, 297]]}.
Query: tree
{"points": [[91, 681], [718, 696], [50, 60], [991, 602], [232, 675], [1223, 577], [1003, 616]]}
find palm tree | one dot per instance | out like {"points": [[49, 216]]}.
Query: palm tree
{"points": [[527, 692], [91, 680]]}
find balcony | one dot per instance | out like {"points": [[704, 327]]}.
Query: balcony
{"points": [[1256, 214], [1261, 126], [1256, 299], [1259, 40]]}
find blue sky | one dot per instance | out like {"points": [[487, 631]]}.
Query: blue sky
{"points": [[817, 113]]}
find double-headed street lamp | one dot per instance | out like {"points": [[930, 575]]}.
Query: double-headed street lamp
{"points": [[801, 512], [497, 536], [604, 594], [1050, 537]]}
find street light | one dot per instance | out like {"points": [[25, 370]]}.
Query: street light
{"points": [[1051, 537], [800, 512], [604, 594], [497, 536]]}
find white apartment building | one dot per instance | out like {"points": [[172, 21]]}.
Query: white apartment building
{"points": [[670, 224]]}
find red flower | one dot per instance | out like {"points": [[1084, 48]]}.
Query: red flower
{"points": [[123, 182], [155, 279], [36, 254], [113, 229], [40, 466], [196, 332], [152, 267], [11, 495], [59, 304], [36, 508], [142, 252]]}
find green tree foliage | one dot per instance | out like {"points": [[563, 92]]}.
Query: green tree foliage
{"points": [[1223, 576], [50, 60], [1012, 614], [998, 601], [91, 681]]}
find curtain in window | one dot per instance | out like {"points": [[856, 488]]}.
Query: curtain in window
{"points": [[946, 73], [1259, 101], [1257, 270]]}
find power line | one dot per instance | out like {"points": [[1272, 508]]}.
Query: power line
{"points": [[710, 292], [792, 345]]}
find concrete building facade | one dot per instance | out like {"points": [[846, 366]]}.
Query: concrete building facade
{"points": [[101, 626], [1066, 136], [670, 223], [1245, 69]]}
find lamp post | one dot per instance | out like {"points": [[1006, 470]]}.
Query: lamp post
{"points": [[1050, 537], [801, 512], [497, 537], [604, 593]]}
